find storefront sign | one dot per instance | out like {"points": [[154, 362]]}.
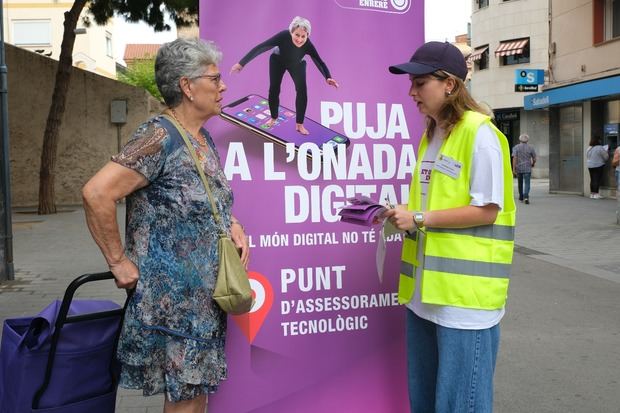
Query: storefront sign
{"points": [[526, 88], [529, 77]]}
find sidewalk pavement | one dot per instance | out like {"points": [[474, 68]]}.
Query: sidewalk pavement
{"points": [[571, 231], [49, 251]]}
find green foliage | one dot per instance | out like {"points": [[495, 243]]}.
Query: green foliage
{"points": [[182, 12], [141, 73]]}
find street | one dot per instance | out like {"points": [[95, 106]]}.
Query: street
{"points": [[560, 346]]}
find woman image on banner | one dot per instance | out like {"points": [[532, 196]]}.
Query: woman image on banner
{"points": [[289, 48], [458, 248], [173, 336]]}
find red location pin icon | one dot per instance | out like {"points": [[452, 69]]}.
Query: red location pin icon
{"points": [[250, 323]]}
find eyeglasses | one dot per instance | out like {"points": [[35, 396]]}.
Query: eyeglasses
{"points": [[217, 78]]}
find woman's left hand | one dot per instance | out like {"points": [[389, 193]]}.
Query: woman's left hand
{"points": [[332, 82], [237, 234]]}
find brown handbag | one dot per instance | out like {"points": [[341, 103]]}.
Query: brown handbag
{"points": [[232, 288]]}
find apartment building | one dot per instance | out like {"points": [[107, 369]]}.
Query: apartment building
{"points": [[582, 95], [510, 37], [38, 26]]}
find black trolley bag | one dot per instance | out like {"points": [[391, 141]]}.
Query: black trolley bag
{"points": [[63, 359]]}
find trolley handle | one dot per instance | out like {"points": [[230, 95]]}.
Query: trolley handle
{"points": [[62, 319]]}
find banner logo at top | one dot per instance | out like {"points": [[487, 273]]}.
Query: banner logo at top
{"points": [[385, 6]]}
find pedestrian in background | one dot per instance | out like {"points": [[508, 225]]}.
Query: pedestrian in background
{"points": [[523, 160], [615, 163], [596, 156], [458, 248]]}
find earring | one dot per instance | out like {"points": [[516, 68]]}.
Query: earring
{"points": [[191, 98], [448, 93]]}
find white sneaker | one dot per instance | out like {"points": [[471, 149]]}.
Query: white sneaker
{"points": [[591, 196], [596, 196]]}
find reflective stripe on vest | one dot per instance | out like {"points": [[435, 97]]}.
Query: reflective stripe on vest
{"points": [[501, 232], [466, 267], [407, 269], [463, 267]]}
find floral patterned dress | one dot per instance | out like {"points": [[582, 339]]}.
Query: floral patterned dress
{"points": [[173, 335]]}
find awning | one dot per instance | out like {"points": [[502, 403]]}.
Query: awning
{"points": [[511, 47], [477, 54]]}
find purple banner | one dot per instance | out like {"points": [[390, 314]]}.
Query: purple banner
{"points": [[325, 333]]}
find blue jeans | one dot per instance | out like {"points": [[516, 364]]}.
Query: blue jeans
{"points": [[450, 370], [523, 179]]}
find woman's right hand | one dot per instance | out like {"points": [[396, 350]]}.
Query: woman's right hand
{"points": [[125, 273], [400, 217], [236, 68], [332, 82]]}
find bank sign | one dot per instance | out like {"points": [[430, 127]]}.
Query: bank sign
{"points": [[529, 77]]}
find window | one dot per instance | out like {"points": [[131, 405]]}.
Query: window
{"points": [[612, 19], [32, 32], [606, 25], [108, 44], [480, 57], [513, 52], [481, 4], [517, 58]]}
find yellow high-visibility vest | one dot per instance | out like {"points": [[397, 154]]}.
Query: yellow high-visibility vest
{"points": [[463, 267]]}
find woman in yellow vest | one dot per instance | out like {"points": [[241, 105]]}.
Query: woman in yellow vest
{"points": [[457, 252]]}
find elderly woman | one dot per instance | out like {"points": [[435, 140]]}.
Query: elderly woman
{"points": [[289, 48], [173, 335], [456, 257]]}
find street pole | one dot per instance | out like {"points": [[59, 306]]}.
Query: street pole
{"points": [[6, 229]]}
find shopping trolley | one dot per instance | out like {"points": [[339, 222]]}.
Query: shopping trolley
{"points": [[63, 359]]}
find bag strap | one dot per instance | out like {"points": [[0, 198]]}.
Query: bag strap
{"points": [[192, 152]]}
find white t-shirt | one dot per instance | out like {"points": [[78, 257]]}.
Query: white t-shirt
{"points": [[486, 187]]}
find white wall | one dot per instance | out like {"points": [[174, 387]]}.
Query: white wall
{"points": [[572, 31]]}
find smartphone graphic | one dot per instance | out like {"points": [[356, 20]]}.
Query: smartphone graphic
{"points": [[252, 112]]}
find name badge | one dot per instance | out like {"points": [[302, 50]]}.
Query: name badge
{"points": [[448, 166]]}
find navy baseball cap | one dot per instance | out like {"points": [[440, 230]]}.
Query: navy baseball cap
{"points": [[433, 56]]}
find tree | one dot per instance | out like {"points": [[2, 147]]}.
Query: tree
{"points": [[141, 73], [182, 12]]}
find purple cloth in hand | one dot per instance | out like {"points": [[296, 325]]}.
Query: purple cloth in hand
{"points": [[361, 211]]}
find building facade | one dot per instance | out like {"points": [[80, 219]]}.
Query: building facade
{"points": [[582, 96], [509, 37], [38, 26]]}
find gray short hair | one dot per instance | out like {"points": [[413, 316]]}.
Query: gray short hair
{"points": [[182, 58], [524, 137], [300, 22]]}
